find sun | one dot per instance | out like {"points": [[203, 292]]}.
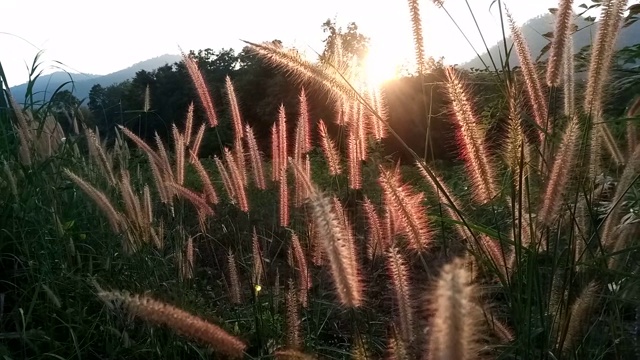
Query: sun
{"points": [[380, 66]]}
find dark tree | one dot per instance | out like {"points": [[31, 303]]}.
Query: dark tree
{"points": [[64, 106], [110, 106]]}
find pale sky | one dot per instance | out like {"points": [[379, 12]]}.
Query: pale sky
{"points": [[101, 37]]}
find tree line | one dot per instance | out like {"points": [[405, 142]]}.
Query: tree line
{"points": [[416, 104]]}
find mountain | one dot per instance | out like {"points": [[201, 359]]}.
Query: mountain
{"points": [[533, 30], [47, 84]]}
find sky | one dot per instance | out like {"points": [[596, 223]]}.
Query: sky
{"points": [[105, 36]]}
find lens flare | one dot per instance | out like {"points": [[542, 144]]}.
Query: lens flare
{"points": [[380, 66]]}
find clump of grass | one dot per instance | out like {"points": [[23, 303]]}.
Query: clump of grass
{"points": [[529, 258]]}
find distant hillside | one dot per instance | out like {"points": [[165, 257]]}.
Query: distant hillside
{"points": [[46, 84], [533, 30]]}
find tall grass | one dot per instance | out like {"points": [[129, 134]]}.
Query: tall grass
{"points": [[537, 260]]}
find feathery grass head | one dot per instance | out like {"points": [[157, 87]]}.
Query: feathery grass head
{"points": [[561, 172], [336, 241], [399, 274], [304, 278], [568, 75], [454, 330], [532, 81], [602, 55], [115, 217], [418, 40], [471, 136], [517, 151], [201, 88], [292, 63], [406, 208], [579, 315], [256, 159], [39, 139], [330, 151], [294, 340], [561, 36], [182, 322]]}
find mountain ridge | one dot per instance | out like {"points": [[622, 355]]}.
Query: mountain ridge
{"points": [[82, 83], [533, 30]]}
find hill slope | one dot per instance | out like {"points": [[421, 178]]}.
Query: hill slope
{"points": [[533, 30], [47, 84]]}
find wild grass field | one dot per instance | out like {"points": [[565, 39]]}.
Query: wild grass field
{"points": [[318, 246]]}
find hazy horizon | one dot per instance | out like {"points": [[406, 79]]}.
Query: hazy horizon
{"points": [[119, 39]]}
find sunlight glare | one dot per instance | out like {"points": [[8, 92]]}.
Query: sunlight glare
{"points": [[380, 66]]}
